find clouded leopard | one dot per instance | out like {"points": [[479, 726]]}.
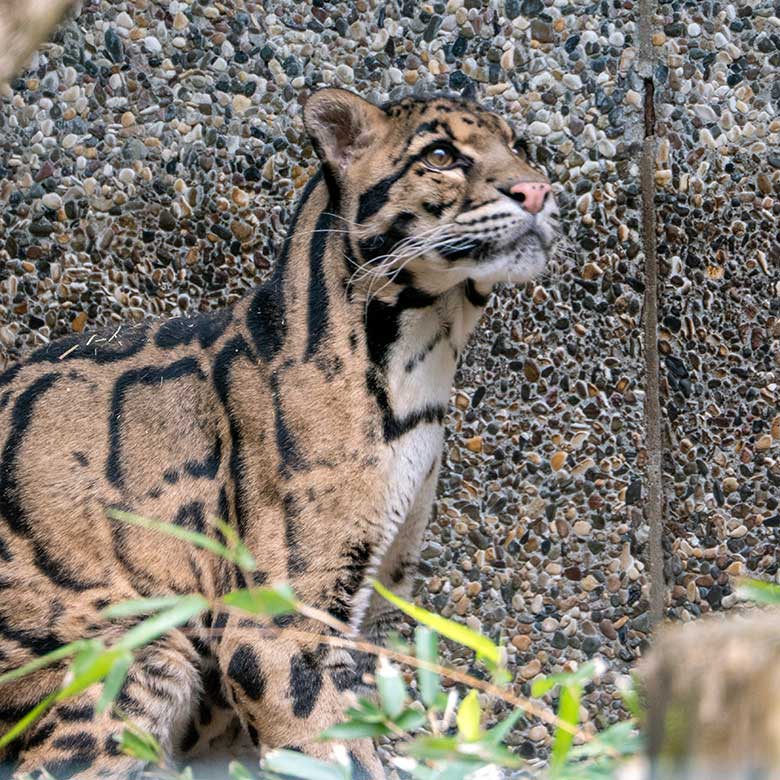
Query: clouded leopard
{"points": [[309, 416]]}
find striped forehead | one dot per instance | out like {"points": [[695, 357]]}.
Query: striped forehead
{"points": [[458, 120]]}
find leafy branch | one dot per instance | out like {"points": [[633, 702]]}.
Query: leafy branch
{"points": [[453, 744]]}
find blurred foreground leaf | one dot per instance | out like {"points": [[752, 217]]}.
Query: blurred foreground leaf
{"points": [[293, 764], [758, 591], [277, 600], [481, 645], [426, 644], [237, 553], [469, 717]]}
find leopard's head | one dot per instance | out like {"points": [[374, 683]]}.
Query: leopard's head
{"points": [[432, 192]]}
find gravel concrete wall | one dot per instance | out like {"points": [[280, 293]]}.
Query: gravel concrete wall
{"points": [[148, 162]]}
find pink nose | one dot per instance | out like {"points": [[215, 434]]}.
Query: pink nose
{"points": [[530, 194]]}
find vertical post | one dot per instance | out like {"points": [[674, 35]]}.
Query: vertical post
{"points": [[712, 709], [654, 504]]}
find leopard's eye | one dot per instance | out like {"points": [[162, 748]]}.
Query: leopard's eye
{"points": [[440, 157]]}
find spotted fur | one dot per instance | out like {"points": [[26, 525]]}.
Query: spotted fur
{"points": [[308, 416]]}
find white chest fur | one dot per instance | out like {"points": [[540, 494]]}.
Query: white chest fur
{"points": [[420, 370]]}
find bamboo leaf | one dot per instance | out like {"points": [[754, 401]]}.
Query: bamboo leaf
{"points": [[355, 729], [391, 688], [239, 550], [293, 764], [89, 673], [568, 712], [628, 689], [469, 717], [366, 711], [184, 534], [541, 686], [30, 718], [433, 748], [65, 651], [237, 771], [113, 682], [464, 771], [134, 607], [426, 643], [500, 731], [481, 645], [278, 600], [138, 743], [159, 624], [449, 749], [759, 591], [580, 676], [619, 739], [410, 719]]}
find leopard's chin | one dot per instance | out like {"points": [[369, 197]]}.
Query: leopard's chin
{"points": [[529, 258], [525, 259]]}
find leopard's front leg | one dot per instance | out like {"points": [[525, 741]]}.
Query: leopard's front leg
{"points": [[287, 692]]}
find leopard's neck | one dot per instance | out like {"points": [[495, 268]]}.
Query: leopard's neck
{"points": [[412, 340]]}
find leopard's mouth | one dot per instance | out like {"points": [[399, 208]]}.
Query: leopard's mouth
{"points": [[525, 258]]}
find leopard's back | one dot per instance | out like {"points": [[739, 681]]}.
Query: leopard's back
{"points": [[183, 421], [124, 419]]}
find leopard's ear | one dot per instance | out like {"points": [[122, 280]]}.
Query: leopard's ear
{"points": [[341, 125]]}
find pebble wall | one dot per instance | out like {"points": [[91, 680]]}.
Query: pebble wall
{"points": [[149, 159]]}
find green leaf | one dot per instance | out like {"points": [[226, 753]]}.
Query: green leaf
{"points": [[620, 739], [500, 731], [139, 606], [469, 717], [580, 676], [759, 591], [161, 623], [630, 695], [450, 749], [394, 641], [293, 764], [91, 650], [237, 771], [433, 748], [410, 719], [494, 754], [113, 682], [481, 645], [455, 771], [426, 646], [541, 686], [65, 651], [239, 550], [602, 769], [27, 720], [366, 711], [422, 772], [501, 676], [185, 535], [568, 712], [391, 688], [277, 600], [355, 729], [137, 743], [90, 673]]}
